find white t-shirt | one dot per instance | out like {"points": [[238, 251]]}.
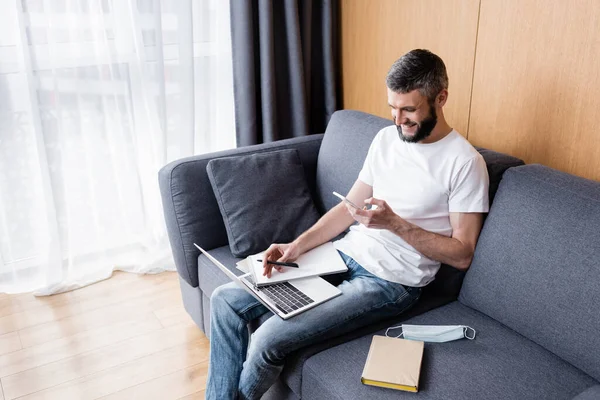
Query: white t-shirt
{"points": [[422, 183]]}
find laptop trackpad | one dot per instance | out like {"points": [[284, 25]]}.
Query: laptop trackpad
{"points": [[316, 287]]}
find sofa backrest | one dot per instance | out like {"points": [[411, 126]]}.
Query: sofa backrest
{"points": [[343, 151], [342, 154], [537, 264]]}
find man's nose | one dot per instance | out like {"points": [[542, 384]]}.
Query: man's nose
{"points": [[399, 119]]}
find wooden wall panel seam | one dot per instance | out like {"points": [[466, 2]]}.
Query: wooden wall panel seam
{"points": [[473, 71]]}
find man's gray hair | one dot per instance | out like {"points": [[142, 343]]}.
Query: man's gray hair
{"points": [[418, 69]]}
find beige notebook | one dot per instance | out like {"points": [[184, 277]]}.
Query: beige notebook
{"points": [[393, 363]]}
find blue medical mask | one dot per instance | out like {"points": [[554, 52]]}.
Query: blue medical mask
{"points": [[434, 333]]}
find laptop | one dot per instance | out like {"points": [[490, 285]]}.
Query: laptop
{"points": [[285, 299]]}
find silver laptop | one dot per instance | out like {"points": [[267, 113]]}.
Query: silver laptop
{"points": [[285, 299]]}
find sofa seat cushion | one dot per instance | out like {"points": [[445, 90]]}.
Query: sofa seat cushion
{"points": [[210, 277], [498, 364], [292, 372]]}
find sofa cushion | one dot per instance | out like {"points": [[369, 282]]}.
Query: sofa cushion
{"points": [[264, 198], [343, 151], [498, 364], [497, 164], [536, 266], [191, 210]]}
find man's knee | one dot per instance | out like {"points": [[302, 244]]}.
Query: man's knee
{"points": [[221, 298], [231, 298], [217, 295], [268, 345]]}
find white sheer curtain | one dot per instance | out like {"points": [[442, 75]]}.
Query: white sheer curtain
{"points": [[95, 97]]}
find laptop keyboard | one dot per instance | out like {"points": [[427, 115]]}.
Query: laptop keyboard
{"points": [[286, 297]]}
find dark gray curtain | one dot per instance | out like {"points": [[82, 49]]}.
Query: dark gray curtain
{"points": [[284, 67]]}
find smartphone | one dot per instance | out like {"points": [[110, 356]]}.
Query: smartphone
{"points": [[346, 200]]}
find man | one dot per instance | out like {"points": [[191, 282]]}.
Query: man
{"points": [[430, 188]]}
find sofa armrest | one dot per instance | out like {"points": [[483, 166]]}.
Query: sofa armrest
{"points": [[191, 210]]}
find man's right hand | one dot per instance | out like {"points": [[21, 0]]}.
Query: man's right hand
{"points": [[279, 252]]}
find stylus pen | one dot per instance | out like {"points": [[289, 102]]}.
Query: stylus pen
{"points": [[283, 264]]}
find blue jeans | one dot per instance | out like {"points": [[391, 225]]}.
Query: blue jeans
{"points": [[236, 371]]}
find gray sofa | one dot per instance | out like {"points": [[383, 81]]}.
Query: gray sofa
{"points": [[532, 292]]}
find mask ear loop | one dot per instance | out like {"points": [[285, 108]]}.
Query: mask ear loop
{"points": [[467, 331], [392, 328]]}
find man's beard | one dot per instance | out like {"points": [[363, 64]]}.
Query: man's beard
{"points": [[423, 131]]}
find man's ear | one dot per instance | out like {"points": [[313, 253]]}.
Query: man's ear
{"points": [[442, 97]]}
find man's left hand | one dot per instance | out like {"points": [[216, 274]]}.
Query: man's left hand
{"points": [[383, 217]]}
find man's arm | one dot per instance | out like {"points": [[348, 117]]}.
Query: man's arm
{"points": [[456, 251], [334, 222]]}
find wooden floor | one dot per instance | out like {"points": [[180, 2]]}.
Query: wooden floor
{"points": [[127, 337]]}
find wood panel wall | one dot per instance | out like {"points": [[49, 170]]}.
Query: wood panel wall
{"points": [[375, 33], [533, 91]]}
